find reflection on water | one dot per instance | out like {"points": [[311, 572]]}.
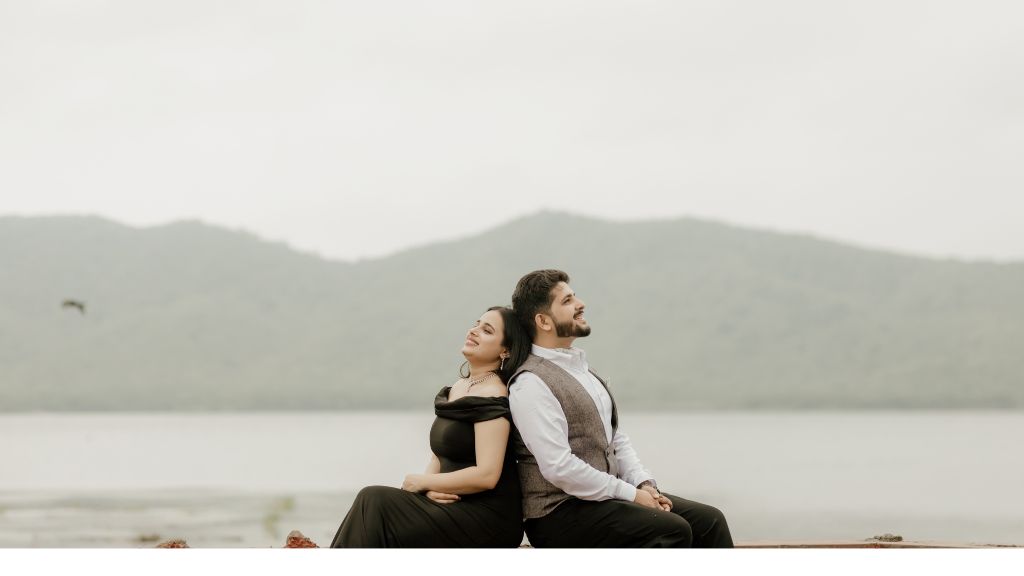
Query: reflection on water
{"points": [[205, 519]]}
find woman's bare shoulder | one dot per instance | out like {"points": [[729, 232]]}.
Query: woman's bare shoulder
{"points": [[489, 389]]}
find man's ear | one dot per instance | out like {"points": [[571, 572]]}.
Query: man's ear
{"points": [[543, 322]]}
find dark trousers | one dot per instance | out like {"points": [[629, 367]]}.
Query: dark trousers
{"points": [[579, 523]]}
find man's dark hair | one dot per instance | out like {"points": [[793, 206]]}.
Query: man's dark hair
{"points": [[533, 296]]}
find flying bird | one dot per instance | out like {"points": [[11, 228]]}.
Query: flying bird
{"points": [[74, 304]]}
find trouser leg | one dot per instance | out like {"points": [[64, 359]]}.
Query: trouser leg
{"points": [[608, 524], [710, 529]]}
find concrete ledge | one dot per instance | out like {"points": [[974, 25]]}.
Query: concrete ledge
{"points": [[867, 544]]}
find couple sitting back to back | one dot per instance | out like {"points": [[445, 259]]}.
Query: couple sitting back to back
{"points": [[529, 440]]}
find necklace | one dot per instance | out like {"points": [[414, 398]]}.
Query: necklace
{"points": [[479, 380]]}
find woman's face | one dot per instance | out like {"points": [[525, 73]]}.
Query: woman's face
{"points": [[483, 341]]}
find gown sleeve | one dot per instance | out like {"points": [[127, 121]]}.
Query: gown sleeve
{"points": [[472, 408]]}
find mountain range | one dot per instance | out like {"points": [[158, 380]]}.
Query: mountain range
{"points": [[686, 314]]}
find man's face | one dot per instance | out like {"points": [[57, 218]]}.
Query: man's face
{"points": [[567, 313]]}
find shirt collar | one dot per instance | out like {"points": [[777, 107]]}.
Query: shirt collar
{"points": [[562, 356]]}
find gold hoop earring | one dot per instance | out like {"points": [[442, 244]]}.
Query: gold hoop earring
{"points": [[466, 375]]}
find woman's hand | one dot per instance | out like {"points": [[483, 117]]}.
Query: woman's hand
{"points": [[442, 498], [414, 483]]}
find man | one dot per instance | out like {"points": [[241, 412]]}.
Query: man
{"points": [[583, 484]]}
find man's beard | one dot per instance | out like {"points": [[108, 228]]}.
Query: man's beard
{"points": [[571, 330]]}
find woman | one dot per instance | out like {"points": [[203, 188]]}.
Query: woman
{"points": [[469, 495]]}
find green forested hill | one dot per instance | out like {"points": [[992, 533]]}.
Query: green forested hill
{"points": [[686, 314]]}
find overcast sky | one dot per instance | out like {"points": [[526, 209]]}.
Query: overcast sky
{"points": [[353, 129]]}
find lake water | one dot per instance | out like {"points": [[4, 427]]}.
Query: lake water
{"points": [[246, 480]]}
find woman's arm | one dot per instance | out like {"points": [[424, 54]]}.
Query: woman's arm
{"points": [[433, 467], [491, 440]]}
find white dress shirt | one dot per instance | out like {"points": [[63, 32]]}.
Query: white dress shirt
{"points": [[541, 422]]}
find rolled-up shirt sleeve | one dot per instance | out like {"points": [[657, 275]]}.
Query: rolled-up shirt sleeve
{"points": [[630, 468], [541, 422]]}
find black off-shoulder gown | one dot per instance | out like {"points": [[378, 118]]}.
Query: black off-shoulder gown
{"points": [[386, 517]]}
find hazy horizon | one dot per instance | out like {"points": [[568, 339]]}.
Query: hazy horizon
{"points": [[499, 224]]}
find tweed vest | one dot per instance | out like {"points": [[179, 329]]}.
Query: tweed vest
{"points": [[587, 437]]}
